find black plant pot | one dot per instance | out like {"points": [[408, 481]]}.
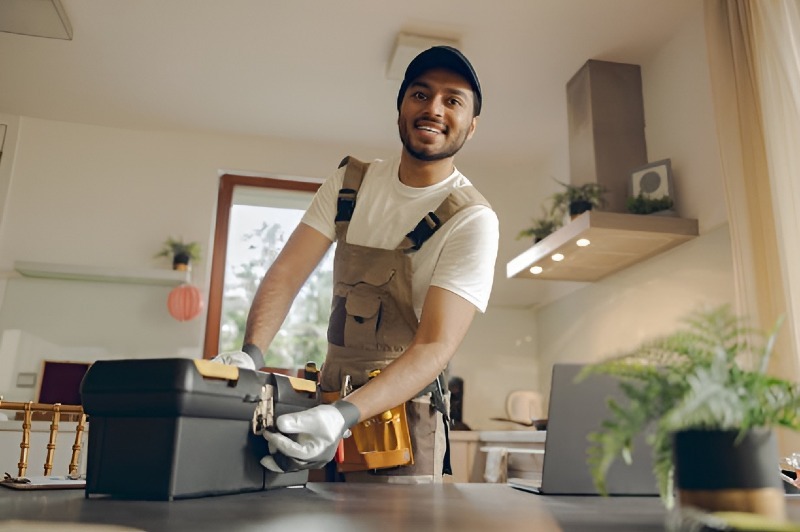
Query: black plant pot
{"points": [[579, 207], [714, 472], [180, 261]]}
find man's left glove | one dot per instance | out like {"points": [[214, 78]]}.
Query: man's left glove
{"points": [[316, 432], [249, 357]]}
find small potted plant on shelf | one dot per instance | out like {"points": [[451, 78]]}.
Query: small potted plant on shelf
{"points": [[644, 204], [542, 227], [705, 392], [182, 253], [577, 199]]}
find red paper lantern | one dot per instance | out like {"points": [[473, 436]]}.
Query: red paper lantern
{"points": [[184, 302]]}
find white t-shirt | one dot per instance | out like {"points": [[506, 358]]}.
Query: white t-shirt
{"points": [[459, 257]]}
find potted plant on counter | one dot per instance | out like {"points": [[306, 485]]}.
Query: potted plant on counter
{"points": [[182, 253], [577, 199], [705, 392]]}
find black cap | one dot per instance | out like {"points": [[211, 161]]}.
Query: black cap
{"points": [[442, 57]]}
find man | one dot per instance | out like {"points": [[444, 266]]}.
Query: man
{"points": [[416, 248]]}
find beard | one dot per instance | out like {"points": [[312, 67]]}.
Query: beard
{"points": [[423, 154]]}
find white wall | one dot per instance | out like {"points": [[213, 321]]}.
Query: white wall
{"points": [[496, 357], [619, 312], [82, 194]]}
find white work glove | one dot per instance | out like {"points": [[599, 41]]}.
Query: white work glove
{"points": [[235, 358], [316, 433], [249, 357]]}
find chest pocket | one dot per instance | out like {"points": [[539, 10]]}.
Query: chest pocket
{"points": [[367, 316], [363, 316]]}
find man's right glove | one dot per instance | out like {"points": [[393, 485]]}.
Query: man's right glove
{"points": [[318, 431]]}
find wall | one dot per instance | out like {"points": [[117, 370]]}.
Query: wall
{"points": [[622, 310], [99, 196]]}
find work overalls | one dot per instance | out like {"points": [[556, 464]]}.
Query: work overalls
{"points": [[373, 322]]}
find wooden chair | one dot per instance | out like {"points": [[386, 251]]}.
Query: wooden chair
{"points": [[56, 409]]}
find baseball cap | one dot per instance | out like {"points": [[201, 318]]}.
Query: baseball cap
{"points": [[442, 57]]}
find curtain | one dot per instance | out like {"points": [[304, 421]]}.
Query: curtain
{"points": [[755, 79]]}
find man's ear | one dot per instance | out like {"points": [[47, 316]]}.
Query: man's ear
{"points": [[472, 127]]}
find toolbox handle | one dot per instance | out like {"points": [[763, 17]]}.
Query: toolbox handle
{"points": [[302, 385], [215, 370]]}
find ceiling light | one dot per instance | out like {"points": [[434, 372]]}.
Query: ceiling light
{"points": [[558, 257], [583, 242], [536, 270], [407, 47]]}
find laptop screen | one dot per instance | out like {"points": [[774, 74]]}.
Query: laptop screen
{"points": [[576, 409]]}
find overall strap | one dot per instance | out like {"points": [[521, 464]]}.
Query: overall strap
{"points": [[458, 199], [353, 176]]}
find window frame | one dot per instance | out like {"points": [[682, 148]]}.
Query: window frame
{"points": [[227, 183]]}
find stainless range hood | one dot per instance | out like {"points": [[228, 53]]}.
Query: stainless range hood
{"points": [[605, 110], [606, 142]]}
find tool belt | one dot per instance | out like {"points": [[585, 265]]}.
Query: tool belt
{"points": [[382, 441], [379, 442]]}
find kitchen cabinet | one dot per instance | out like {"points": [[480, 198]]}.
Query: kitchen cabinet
{"points": [[597, 244]]}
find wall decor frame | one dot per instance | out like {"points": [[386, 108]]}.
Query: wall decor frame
{"points": [[653, 180]]}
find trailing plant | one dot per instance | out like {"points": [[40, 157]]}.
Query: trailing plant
{"points": [[643, 204], [591, 193], [710, 375], [173, 246], [541, 228]]}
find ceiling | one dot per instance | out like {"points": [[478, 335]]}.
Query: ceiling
{"points": [[315, 69]]}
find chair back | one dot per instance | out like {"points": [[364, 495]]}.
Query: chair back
{"points": [[53, 413]]}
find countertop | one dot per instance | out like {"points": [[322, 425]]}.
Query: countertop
{"points": [[339, 507], [499, 436]]}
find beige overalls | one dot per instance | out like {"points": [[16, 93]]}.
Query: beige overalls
{"points": [[373, 321]]}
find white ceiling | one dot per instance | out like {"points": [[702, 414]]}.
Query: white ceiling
{"points": [[315, 69]]}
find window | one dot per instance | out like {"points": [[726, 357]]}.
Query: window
{"points": [[255, 217]]}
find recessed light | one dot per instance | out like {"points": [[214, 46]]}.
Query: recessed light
{"points": [[583, 242], [558, 257], [536, 270]]}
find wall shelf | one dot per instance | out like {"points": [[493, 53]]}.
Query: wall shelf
{"points": [[618, 241], [74, 272]]}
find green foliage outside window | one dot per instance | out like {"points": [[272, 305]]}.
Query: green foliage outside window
{"points": [[303, 336]]}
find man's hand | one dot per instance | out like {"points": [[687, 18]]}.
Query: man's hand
{"points": [[235, 358], [250, 357], [316, 432]]}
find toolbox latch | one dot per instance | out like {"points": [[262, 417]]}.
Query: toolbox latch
{"points": [[264, 414]]}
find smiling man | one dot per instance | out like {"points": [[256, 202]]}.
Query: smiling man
{"points": [[415, 256]]}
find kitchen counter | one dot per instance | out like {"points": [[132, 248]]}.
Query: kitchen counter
{"points": [[469, 450], [340, 507]]}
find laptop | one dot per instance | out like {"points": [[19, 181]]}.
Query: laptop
{"points": [[577, 409]]}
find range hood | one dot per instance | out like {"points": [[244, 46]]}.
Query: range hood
{"points": [[606, 142]]}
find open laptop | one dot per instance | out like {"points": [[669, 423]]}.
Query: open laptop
{"points": [[576, 409]]}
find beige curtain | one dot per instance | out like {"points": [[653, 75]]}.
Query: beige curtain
{"points": [[753, 58]]}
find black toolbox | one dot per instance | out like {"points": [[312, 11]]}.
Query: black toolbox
{"points": [[161, 429]]}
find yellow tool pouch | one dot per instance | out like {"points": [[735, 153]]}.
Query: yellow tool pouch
{"points": [[380, 442]]}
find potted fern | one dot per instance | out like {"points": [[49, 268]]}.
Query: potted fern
{"points": [[705, 394], [577, 199], [182, 253]]}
